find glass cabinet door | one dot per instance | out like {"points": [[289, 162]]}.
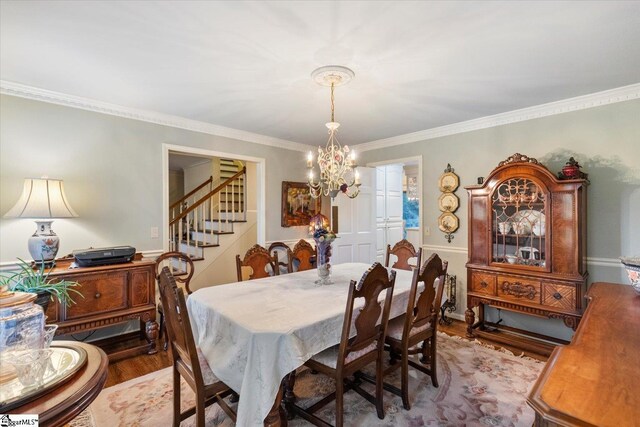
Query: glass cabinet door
{"points": [[519, 226]]}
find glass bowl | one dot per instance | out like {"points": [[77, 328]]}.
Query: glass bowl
{"points": [[632, 264], [30, 365]]}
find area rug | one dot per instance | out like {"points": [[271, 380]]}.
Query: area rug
{"points": [[479, 386]]}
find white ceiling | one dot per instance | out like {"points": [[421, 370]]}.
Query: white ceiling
{"points": [[246, 65]]}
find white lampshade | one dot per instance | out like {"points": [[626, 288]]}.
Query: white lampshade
{"points": [[42, 198]]}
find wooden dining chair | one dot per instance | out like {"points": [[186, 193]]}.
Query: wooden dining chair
{"points": [[302, 256], [418, 325], [352, 354], [258, 259], [284, 256], [403, 250], [188, 361], [181, 267]]}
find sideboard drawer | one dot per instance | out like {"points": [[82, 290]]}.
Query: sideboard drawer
{"points": [[102, 293], [559, 295], [483, 283], [519, 289]]}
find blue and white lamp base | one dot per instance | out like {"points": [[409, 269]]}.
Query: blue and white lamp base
{"points": [[44, 244]]}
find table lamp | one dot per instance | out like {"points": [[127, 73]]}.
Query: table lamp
{"points": [[42, 199]]}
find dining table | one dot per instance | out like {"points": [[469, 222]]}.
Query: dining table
{"points": [[254, 333]]}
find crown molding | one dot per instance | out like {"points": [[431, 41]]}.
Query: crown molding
{"points": [[37, 94], [611, 96]]}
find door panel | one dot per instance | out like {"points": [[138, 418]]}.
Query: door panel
{"points": [[393, 187], [357, 233], [394, 233]]}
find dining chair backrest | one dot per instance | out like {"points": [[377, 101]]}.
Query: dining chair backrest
{"points": [[284, 256], [180, 335], [371, 321], [426, 306], [403, 250], [258, 259], [180, 266], [303, 252]]}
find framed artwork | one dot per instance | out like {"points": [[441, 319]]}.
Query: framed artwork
{"points": [[297, 204]]}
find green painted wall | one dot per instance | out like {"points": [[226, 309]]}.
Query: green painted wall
{"points": [[606, 142]]}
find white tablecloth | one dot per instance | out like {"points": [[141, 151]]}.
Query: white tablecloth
{"points": [[254, 333]]}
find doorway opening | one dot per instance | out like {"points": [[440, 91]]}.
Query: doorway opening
{"points": [[185, 169], [399, 203]]}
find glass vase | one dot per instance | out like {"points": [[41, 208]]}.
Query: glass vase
{"points": [[323, 263]]}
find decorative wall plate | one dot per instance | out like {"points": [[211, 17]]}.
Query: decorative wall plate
{"points": [[448, 181], [448, 202], [448, 222]]}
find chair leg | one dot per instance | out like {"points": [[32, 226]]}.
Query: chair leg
{"points": [[339, 402], [161, 324], [405, 379], [379, 386], [434, 362], [425, 352], [200, 408], [165, 345], [176, 397], [163, 332]]}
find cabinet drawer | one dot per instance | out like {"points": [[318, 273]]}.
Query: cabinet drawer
{"points": [[519, 289], [559, 296], [483, 283], [102, 293]]}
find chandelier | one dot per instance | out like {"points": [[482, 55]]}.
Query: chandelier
{"points": [[337, 163]]}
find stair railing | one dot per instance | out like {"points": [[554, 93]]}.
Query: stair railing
{"points": [[190, 198], [194, 218]]}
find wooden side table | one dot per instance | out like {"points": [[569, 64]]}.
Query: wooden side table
{"points": [[64, 403], [111, 294], [594, 380]]}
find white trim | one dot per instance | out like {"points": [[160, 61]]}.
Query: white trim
{"points": [[37, 94], [624, 93], [289, 242], [439, 248], [261, 217], [403, 161], [456, 315], [605, 262]]}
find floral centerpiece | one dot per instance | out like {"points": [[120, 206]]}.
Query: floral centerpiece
{"points": [[323, 237]]}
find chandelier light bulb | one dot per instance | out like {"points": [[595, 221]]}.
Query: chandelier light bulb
{"points": [[309, 159], [357, 177]]}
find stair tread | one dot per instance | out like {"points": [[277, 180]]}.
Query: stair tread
{"points": [[224, 220], [215, 232], [199, 244]]}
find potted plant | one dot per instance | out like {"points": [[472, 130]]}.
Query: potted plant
{"points": [[37, 281]]}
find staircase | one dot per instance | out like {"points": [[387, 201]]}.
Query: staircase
{"points": [[212, 210]]}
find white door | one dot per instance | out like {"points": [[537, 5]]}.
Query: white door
{"points": [[389, 223], [356, 240]]}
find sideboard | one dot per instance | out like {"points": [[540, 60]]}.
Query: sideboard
{"points": [[111, 294], [594, 380]]}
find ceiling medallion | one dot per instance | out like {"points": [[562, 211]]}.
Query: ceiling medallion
{"points": [[337, 163]]}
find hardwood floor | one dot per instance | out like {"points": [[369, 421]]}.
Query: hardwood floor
{"points": [[138, 366]]}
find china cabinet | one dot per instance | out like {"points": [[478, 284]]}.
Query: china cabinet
{"points": [[527, 246]]}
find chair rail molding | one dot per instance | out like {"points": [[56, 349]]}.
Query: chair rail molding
{"points": [[597, 99], [44, 95]]}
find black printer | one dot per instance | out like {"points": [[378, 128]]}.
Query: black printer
{"points": [[104, 256]]}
